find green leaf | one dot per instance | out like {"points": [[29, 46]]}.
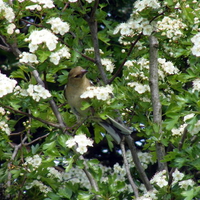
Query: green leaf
{"points": [[35, 148], [84, 196], [43, 55], [70, 162], [18, 74], [110, 143], [65, 192], [170, 123], [49, 146]]}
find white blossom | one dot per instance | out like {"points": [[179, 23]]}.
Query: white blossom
{"points": [[108, 63], [34, 7], [186, 183], [37, 92], [2, 111], [4, 127], [43, 3], [26, 57], [10, 28], [196, 128], [160, 179], [62, 53], [171, 27], [178, 131], [7, 85], [43, 188], [54, 173], [35, 161], [189, 116], [141, 5], [177, 176], [81, 142], [6, 11], [139, 88], [167, 66], [38, 37], [58, 26], [196, 85], [101, 93], [90, 1]]}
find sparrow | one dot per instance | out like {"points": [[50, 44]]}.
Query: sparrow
{"points": [[77, 84]]}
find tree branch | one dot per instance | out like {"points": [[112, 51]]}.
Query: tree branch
{"points": [[155, 98], [180, 145], [93, 182], [133, 185], [92, 22], [14, 154], [137, 162]]}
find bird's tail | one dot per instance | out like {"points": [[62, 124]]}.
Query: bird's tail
{"points": [[114, 128]]}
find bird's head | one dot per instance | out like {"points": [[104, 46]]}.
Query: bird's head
{"points": [[77, 75]]}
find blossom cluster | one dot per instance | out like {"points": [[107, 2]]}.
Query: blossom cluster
{"points": [[10, 29], [184, 184], [141, 5], [44, 3], [43, 188], [170, 27], [26, 57], [160, 179], [62, 53], [179, 131], [6, 11], [132, 27], [3, 121], [140, 88], [7, 85], [137, 24], [167, 66], [34, 161], [101, 93], [108, 64], [35, 91], [58, 26], [196, 85], [44, 36], [54, 173], [149, 195], [81, 142]]}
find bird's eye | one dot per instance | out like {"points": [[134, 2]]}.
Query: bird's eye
{"points": [[78, 76]]}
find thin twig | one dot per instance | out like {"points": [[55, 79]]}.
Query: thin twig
{"points": [[125, 59], [155, 99], [133, 185], [39, 138], [31, 23], [30, 115]]}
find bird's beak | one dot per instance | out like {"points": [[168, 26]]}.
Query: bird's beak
{"points": [[84, 71]]}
